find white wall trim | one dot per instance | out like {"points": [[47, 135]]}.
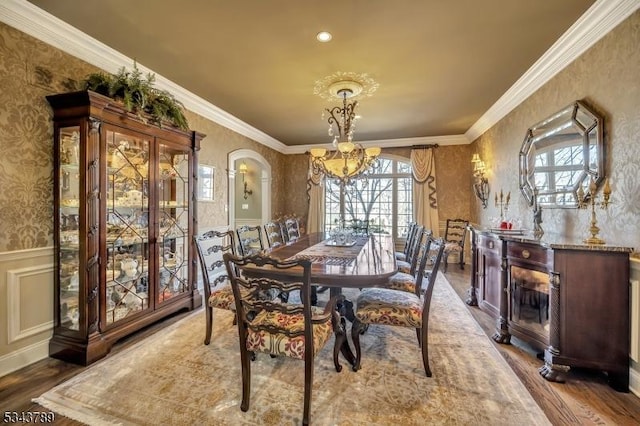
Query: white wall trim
{"points": [[601, 18], [9, 256], [14, 279], [24, 356]]}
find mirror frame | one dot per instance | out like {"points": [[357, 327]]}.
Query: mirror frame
{"points": [[578, 125]]}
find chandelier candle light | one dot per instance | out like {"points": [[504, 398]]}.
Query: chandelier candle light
{"points": [[350, 160]]}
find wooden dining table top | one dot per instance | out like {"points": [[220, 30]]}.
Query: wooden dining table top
{"points": [[368, 263]]}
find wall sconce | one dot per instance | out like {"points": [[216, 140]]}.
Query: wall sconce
{"points": [[243, 171], [481, 183]]}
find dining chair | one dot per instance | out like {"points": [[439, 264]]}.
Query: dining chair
{"points": [[385, 306], [406, 281], [402, 255], [297, 330], [412, 253], [217, 291], [292, 228], [273, 233], [250, 240], [455, 234]]}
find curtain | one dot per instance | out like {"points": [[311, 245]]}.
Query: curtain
{"points": [[425, 203], [315, 196]]}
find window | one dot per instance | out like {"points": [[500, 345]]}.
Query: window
{"points": [[206, 176], [384, 199]]}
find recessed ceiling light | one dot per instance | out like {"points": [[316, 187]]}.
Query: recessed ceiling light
{"points": [[323, 36]]}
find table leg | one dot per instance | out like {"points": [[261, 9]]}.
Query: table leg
{"points": [[342, 344]]}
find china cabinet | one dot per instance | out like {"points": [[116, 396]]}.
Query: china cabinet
{"points": [[567, 299], [124, 208]]}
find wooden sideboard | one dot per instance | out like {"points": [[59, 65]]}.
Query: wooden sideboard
{"points": [[568, 299]]}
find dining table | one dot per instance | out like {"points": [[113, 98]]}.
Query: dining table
{"points": [[364, 261]]}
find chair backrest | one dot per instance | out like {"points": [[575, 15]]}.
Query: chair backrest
{"points": [[419, 240], [211, 246], [250, 240], [414, 248], [411, 234], [456, 231], [252, 308], [274, 234], [292, 228], [410, 229], [432, 258]]}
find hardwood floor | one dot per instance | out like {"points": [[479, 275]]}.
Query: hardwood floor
{"points": [[585, 399]]}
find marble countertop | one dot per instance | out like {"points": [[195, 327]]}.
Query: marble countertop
{"points": [[550, 240]]}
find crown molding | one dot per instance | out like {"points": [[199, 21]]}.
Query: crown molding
{"points": [[602, 17], [389, 143], [34, 21]]}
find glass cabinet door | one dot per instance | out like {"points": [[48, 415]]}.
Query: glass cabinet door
{"points": [[173, 237], [127, 225], [69, 227]]}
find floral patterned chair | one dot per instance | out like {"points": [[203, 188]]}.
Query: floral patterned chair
{"points": [[402, 255], [217, 290], [399, 308], [408, 265], [406, 279], [297, 330]]}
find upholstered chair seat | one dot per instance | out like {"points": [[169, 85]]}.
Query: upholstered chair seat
{"points": [[400, 255], [402, 281], [260, 340], [222, 298], [403, 266], [390, 307]]}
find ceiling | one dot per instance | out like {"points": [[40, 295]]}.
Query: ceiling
{"points": [[440, 65]]}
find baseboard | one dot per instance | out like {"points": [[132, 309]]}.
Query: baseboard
{"points": [[634, 382], [23, 357]]}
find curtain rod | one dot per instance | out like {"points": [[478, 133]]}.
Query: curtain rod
{"points": [[434, 145]]}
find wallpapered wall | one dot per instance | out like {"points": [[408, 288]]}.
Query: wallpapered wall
{"points": [[30, 70], [607, 78]]}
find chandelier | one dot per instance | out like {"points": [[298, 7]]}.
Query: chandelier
{"points": [[349, 160]]}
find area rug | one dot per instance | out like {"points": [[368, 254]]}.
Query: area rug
{"points": [[171, 378]]}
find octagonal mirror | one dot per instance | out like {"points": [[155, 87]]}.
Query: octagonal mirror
{"points": [[561, 154]]}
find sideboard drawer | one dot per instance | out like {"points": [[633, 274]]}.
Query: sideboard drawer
{"points": [[527, 252]]}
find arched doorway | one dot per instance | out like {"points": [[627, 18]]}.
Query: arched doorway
{"points": [[263, 179]]}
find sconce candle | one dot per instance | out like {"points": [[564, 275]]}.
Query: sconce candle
{"points": [[481, 184]]}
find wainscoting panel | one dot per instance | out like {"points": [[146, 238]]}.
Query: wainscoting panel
{"points": [[26, 307], [27, 312]]}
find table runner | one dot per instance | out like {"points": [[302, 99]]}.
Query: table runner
{"points": [[332, 255]]}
